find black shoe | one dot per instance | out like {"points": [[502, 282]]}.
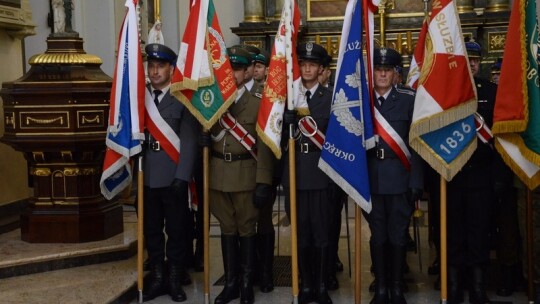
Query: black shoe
{"points": [[174, 284], [477, 292], [155, 282]]}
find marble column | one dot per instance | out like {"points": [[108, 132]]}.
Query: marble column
{"points": [[253, 10], [497, 5], [464, 6]]}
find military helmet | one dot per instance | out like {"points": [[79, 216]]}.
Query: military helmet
{"points": [[160, 52], [311, 51], [386, 57]]}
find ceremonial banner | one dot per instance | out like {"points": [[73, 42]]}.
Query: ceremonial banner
{"points": [[418, 58], [350, 128], [203, 80], [126, 116], [269, 121], [516, 121], [443, 130]]}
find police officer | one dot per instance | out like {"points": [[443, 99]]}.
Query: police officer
{"points": [[392, 185], [496, 71], [238, 184], [470, 201], [260, 71], [252, 86], [166, 180], [312, 105]]}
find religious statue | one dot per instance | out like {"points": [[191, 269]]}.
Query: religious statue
{"points": [[155, 35], [59, 16]]}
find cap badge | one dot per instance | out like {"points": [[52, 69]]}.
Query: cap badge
{"points": [[383, 52], [309, 48], [155, 47]]}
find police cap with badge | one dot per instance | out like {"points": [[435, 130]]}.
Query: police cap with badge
{"points": [[160, 52], [474, 50], [312, 52], [496, 67], [253, 51], [386, 57], [239, 57], [262, 57]]}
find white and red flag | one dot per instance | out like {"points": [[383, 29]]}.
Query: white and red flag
{"points": [[203, 80], [275, 94], [443, 130], [126, 116], [418, 57]]}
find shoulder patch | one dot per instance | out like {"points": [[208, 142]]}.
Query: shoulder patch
{"points": [[406, 91]]}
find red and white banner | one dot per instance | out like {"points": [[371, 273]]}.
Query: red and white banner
{"points": [[269, 121], [418, 57]]}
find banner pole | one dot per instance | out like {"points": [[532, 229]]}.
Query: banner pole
{"points": [[140, 223], [206, 214], [444, 259], [530, 245], [357, 254], [294, 231]]}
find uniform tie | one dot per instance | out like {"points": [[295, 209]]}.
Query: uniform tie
{"points": [[381, 100], [308, 96], [156, 95]]}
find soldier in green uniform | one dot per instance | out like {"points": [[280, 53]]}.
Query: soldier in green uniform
{"points": [[252, 86], [238, 182]]}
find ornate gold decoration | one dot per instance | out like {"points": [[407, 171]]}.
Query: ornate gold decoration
{"points": [[44, 121], [94, 120], [36, 119], [65, 58], [38, 156], [71, 171], [9, 119], [40, 171], [497, 40], [66, 156]]}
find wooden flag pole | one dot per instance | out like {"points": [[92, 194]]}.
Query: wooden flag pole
{"points": [[294, 230], [140, 223], [357, 255], [444, 258], [530, 245], [206, 212]]}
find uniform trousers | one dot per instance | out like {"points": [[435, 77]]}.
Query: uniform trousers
{"points": [[265, 225], [235, 212], [389, 219], [313, 216], [164, 209], [468, 225]]}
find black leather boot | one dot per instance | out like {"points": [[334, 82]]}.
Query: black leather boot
{"points": [[155, 285], [174, 284], [321, 275], [265, 246], [306, 294], [247, 265], [230, 250], [378, 260], [396, 290], [477, 292], [198, 263], [455, 290]]}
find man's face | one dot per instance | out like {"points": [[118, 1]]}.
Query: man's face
{"points": [[384, 77], [259, 72], [495, 77], [324, 76], [249, 72], [240, 75], [310, 70], [160, 73], [474, 62]]}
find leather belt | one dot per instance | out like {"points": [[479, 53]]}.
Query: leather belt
{"points": [[154, 146], [381, 153], [229, 157], [307, 147]]}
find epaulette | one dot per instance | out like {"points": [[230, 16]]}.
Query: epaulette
{"points": [[405, 90]]}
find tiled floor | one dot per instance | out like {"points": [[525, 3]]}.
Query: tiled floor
{"points": [[420, 283]]}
